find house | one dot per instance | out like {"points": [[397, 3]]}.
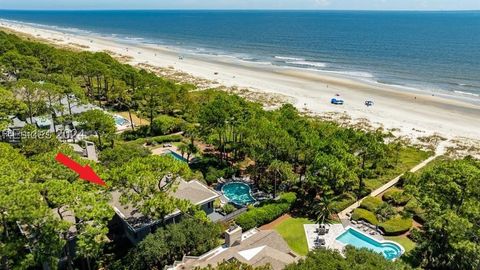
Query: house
{"points": [[136, 226], [89, 152], [12, 133], [255, 248]]}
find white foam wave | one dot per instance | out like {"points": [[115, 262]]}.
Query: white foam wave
{"points": [[466, 93], [289, 58], [306, 63]]}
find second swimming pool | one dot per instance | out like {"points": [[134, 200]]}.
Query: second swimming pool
{"points": [[238, 193], [388, 249]]}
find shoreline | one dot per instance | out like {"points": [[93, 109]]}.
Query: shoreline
{"points": [[286, 62], [410, 114]]}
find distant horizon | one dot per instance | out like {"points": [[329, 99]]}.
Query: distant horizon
{"points": [[233, 9]]}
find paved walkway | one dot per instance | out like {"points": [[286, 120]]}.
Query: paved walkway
{"points": [[441, 148]]}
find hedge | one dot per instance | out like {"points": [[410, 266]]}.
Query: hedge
{"points": [[266, 213], [371, 203], [396, 226], [344, 201], [365, 215], [396, 197], [159, 139]]}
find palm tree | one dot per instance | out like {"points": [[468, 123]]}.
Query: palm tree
{"points": [[183, 148], [192, 149], [323, 210]]}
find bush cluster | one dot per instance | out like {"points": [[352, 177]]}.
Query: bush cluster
{"points": [[371, 203], [396, 197], [266, 213], [396, 226], [418, 213], [342, 202], [159, 139], [365, 215], [165, 124]]}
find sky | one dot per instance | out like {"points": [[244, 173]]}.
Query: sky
{"points": [[245, 4]]}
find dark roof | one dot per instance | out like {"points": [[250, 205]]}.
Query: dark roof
{"points": [[193, 191]]}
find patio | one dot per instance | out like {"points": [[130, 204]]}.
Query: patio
{"points": [[329, 238]]}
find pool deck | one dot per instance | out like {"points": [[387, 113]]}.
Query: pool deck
{"points": [[330, 238], [335, 230]]}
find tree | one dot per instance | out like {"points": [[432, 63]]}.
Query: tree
{"points": [[280, 172], [19, 65], [323, 209], [122, 153], [37, 141], [53, 95], [190, 237], [9, 106], [143, 183], [192, 149], [372, 151], [32, 95], [88, 204], [152, 92], [450, 192], [100, 122], [22, 203], [361, 259]]}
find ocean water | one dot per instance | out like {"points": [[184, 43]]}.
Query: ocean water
{"points": [[431, 51]]}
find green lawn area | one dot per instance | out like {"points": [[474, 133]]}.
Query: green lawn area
{"points": [[402, 240], [292, 231], [409, 157]]}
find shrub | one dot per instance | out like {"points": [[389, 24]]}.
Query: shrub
{"points": [[365, 215], [258, 216], [165, 124], [371, 203], [159, 139], [413, 208], [396, 196], [139, 132], [396, 226], [342, 202], [228, 208], [385, 211], [213, 174]]}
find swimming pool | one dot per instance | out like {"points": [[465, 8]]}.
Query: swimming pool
{"points": [[238, 193], [120, 121], [388, 249], [176, 156]]}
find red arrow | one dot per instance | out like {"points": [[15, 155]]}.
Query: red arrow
{"points": [[86, 173]]}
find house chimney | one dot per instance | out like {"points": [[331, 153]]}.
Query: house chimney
{"points": [[233, 235]]}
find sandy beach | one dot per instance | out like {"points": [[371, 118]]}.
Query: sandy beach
{"points": [[405, 112]]}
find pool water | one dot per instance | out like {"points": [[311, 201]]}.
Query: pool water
{"points": [[120, 121], [238, 193], [177, 156], [388, 249]]}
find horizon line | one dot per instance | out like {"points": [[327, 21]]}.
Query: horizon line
{"points": [[258, 9]]}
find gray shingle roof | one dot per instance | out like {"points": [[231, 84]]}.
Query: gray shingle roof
{"points": [[263, 247], [193, 191]]}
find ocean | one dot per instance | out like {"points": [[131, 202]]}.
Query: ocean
{"points": [[430, 51]]}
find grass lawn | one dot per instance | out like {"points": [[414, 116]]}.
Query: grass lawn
{"points": [[292, 231], [402, 240], [409, 157]]}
